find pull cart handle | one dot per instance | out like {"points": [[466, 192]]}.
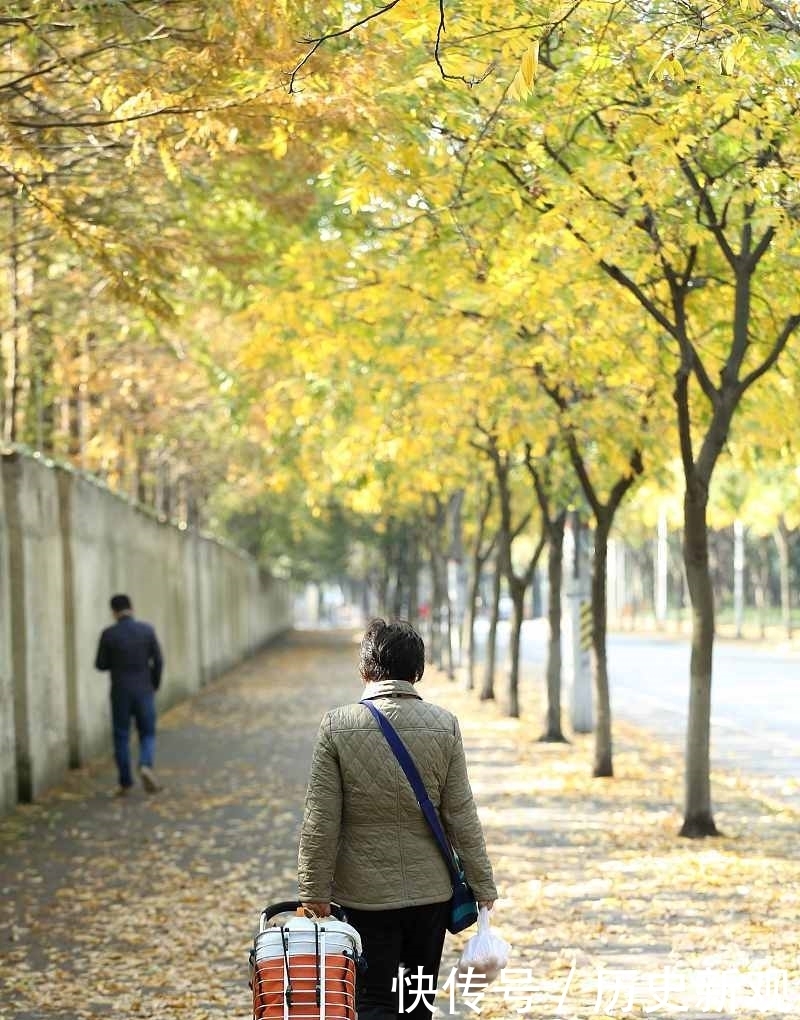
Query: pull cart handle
{"points": [[291, 907]]}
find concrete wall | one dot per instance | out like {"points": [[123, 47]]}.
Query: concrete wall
{"points": [[66, 545], [38, 652], [8, 756]]}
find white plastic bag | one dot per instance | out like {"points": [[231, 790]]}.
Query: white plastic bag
{"points": [[485, 952]]}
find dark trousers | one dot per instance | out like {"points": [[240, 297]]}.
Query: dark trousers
{"points": [[127, 704], [411, 936]]}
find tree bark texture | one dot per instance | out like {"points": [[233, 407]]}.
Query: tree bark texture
{"points": [[783, 542], [698, 817], [13, 380], [469, 625], [436, 604], [555, 572], [518, 598], [761, 586], [603, 759], [451, 665], [487, 691], [413, 578], [479, 557], [604, 517]]}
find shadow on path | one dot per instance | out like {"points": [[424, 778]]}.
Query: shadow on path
{"points": [[145, 907]]}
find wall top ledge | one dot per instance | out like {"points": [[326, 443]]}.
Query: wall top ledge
{"points": [[19, 452]]}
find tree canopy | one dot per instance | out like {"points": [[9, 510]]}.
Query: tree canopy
{"points": [[290, 287]]}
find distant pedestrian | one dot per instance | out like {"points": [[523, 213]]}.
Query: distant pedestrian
{"points": [[130, 650], [365, 843]]}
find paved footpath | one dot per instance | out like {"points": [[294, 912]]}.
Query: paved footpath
{"points": [[145, 907]]}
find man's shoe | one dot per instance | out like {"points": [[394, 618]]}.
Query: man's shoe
{"points": [[121, 791], [149, 781]]}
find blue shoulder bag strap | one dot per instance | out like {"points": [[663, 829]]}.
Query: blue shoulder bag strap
{"points": [[406, 763]]}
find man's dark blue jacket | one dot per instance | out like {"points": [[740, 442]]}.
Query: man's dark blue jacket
{"points": [[130, 649]]}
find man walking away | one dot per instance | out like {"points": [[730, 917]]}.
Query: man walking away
{"points": [[130, 650]]}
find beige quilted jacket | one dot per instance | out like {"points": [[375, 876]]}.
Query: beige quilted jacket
{"points": [[364, 842]]}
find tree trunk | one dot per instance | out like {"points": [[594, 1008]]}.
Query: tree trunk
{"points": [[661, 596], [13, 381], [141, 471], [386, 564], [480, 555], [761, 586], [383, 590], [167, 490], [45, 409], [469, 624], [194, 515], [603, 762], [487, 691], [120, 467], [518, 598], [782, 535], [413, 578], [400, 558], [36, 353], [555, 572], [604, 518], [78, 410], [398, 592], [457, 608], [698, 818], [437, 599], [739, 557], [448, 619]]}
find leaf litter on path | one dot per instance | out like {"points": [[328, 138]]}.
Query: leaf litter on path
{"points": [[147, 908]]}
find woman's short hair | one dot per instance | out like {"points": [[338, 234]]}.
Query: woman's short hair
{"points": [[391, 651]]}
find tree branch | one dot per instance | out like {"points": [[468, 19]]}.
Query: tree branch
{"points": [[707, 205], [681, 397], [761, 247], [701, 374], [538, 484], [582, 473], [621, 277], [163, 111], [437, 54], [784, 15], [477, 141], [534, 560], [317, 41], [559, 160], [789, 327], [677, 288], [623, 484], [686, 276], [481, 554], [523, 524]]}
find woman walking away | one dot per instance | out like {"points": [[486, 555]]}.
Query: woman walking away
{"points": [[365, 843]]}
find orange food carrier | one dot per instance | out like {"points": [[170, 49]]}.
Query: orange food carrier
{"points": [[303, 967]]}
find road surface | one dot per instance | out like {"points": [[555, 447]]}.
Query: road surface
{"points": [[755, 724]]}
